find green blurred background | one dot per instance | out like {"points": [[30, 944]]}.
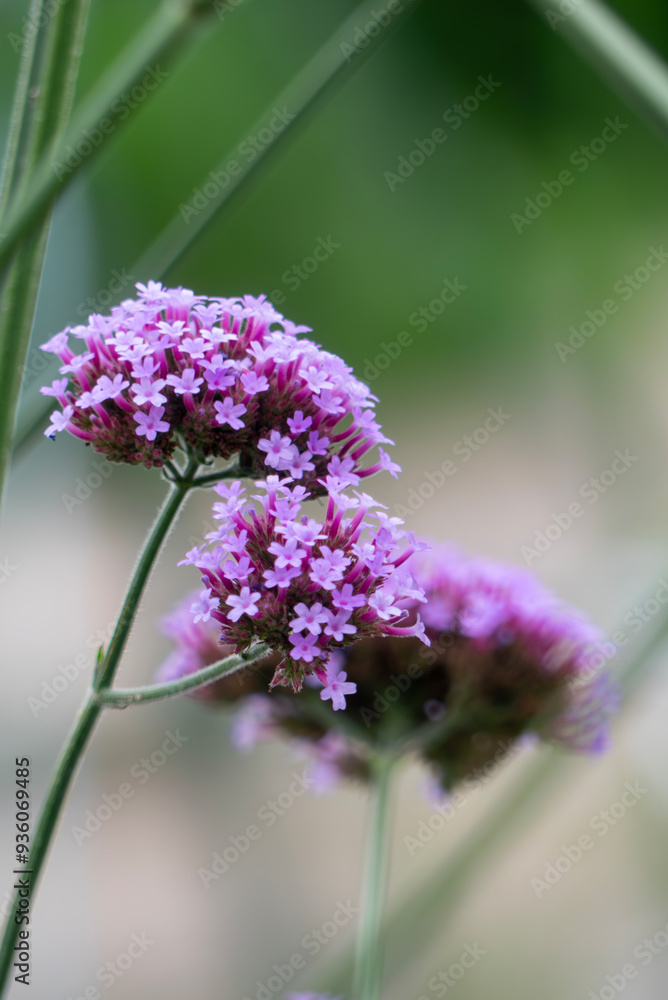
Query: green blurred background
{"points": [[492, 347]]}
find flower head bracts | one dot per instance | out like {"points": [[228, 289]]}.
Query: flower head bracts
{"points": [[302, 586], [225, 376]]}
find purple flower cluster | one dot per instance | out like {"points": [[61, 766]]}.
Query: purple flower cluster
{"points": [[224, 376], [507, 661], [517, 630], [305, 587]]}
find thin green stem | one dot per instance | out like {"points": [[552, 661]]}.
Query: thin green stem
{"points": [[368, 975], [345, 52], [106, 669], [104, 674], [48, 821], [20, 108], [167, 30], [410, 925], [335, 62], [211, 478], [620, 56], [50, 71], [122, 697]]}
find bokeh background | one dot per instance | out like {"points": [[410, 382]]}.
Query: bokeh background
{"points": [[494, 346]]}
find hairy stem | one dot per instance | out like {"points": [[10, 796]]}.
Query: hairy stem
{"points": [[122, 697], [73, 750]]}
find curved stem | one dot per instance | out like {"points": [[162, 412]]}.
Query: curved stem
{"points": [[104, 673], [51, 810], [122, 697], [367, 979], [73, 750]]}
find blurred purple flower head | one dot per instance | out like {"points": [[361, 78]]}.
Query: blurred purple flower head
{"points": [[508, 664], [302, 586], [223, 376]]}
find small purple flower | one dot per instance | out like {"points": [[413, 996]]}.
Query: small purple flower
{"points": [[337, 686], [151, 425], [243, 604], [265, 565], [228, 413], [233, 376]]}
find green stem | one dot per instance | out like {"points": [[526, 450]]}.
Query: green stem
{"points": [[168, 29], [50, 71], [90, 712], [367, 979], [623, 59], [48, 820], [20, 108], [106, 670], [428, 905], [122, 697], [334, 63]]}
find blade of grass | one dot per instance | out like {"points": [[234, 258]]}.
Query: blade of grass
{"points": [[170, 27], [334, 63], [53, 75], [618, 54]]}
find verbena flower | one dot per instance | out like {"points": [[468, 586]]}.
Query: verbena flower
{"points": [[224, 376], [507, 660], [302, 586]]}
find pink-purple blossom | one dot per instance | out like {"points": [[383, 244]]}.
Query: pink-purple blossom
{"points": [[305, 587], [232, 377], [508, 663]]}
